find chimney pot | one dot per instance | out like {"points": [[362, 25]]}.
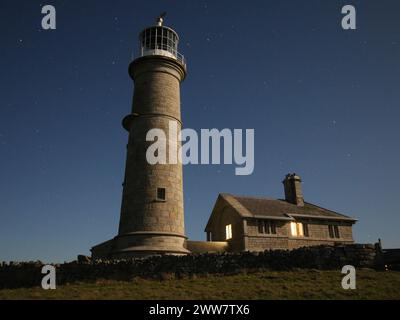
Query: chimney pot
{"points": [[293, 192]]}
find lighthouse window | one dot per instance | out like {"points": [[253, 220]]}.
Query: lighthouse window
{"points": [[161, 194], [165, 43]]}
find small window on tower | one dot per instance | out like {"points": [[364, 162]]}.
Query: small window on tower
{"points": [[161, 194]]}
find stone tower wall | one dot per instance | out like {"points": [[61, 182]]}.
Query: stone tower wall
{"points": [[146, 223]]}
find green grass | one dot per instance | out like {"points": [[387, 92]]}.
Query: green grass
{"points": [[299, 284]]}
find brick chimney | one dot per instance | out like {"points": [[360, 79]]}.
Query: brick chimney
{"points": [[293, 193]]}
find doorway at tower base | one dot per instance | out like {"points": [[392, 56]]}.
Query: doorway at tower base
{"points": [[141, 244]]}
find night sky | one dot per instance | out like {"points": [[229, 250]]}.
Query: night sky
{"points": [[324, 103]]}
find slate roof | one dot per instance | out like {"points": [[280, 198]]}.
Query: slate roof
{"points": [[262, 207]]}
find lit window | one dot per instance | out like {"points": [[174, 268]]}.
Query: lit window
{"points": [[293, 228], [228, 230], [297, 229]]}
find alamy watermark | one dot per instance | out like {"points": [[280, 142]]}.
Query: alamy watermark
{"points": [[49, 280], [348, 21], [349, 280], [49, 20], [188, 151]]}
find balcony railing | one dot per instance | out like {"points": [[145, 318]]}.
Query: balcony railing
{"points": [[163, 51]]}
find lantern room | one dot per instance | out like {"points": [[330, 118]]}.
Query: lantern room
{"points": [[160, 40]]}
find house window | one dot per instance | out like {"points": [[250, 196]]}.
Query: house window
{"points": [[228, 232], [334, 231], [297, 229], [331, 235], [305, 229], [267, 229], [270, 227], [260, 226], [161, 194], [265, 226]]}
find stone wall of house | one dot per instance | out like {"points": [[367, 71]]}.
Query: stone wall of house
{"points": [[14, 275], [270, 242], [227, 216], [320, 230], [318, 235]]}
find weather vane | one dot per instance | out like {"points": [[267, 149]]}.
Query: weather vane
{"points": [[160, 18]]}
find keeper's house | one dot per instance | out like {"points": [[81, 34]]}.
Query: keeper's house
{"points": [[257, 224]]}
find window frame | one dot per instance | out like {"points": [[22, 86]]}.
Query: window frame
{"points": [[331, 232], [164, 190], [306, 231], [268, 227], [228, 232], [260, 226], [336, 231], [297, 229]]}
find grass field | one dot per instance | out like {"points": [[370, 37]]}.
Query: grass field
{"points": [[299, 284]]}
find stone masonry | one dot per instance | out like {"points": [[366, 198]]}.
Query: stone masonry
{"points": [[150, 225]]}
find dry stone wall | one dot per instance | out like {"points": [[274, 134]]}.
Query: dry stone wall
{"points": [[28, 274]]}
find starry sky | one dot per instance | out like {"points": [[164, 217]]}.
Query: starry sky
{"points": [[324, 103]]}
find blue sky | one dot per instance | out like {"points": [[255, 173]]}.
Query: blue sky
{"points": [[324, 103]]}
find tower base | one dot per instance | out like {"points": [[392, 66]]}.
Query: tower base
{"points": [[141, 244]]}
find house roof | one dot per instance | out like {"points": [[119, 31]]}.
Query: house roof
{"points": [[262, 207]]}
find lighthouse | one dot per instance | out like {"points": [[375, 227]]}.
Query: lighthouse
{"points": [[152, 214]]}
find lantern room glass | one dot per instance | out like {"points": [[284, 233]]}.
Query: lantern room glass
{"points": [[159, 38]]}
